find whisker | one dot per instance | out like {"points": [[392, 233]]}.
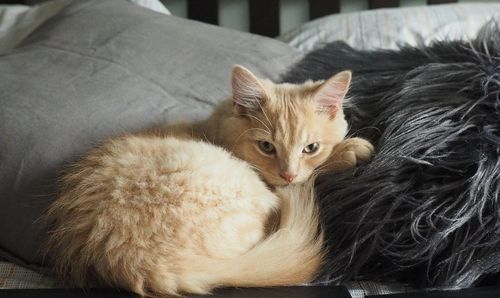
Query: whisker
{"points": [[362, 129], [268, 130], [328, 166], [265, 115]]}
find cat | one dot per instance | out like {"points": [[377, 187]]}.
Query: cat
{"points": [[286, 131], [166, 213]]}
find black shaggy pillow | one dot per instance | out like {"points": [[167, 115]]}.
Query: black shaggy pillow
{"points": [[425, 210]]}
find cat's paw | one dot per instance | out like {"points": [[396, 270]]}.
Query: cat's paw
{"points": [[356, 150], [349, 153]]}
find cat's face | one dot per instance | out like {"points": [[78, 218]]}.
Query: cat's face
{"points": [[286, 131]]}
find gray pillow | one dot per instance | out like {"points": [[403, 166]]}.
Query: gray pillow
{"points": [[99, 69]]}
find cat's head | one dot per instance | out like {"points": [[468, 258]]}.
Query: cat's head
{"points": [[285, 130]]}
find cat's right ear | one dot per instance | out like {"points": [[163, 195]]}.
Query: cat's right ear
{"points": [[248, 91], [331, 93]]}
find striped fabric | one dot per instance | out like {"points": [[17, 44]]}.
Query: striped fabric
{"points": [[16, 277], [361, 289], [387, 28]]}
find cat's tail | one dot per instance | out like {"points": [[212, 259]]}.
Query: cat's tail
{"points": [[291, 255]]}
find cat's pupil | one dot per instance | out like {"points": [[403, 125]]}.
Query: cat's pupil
{"points": [[311, 148], [266, 147]]}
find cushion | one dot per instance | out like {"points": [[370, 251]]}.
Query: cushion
{"points": [[425, 209], [388, 28], [96, 70]]}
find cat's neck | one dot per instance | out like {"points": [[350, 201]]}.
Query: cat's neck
{"points": [[213, 129]]}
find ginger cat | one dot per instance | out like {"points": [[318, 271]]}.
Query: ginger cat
{"points": [[165, 213], [285, 131]]}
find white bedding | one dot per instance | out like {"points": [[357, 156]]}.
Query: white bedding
{"points": [[388, 28], [18, 21]]}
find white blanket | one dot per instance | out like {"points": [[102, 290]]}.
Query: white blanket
{"points": [[388, 28], [18, 21]]}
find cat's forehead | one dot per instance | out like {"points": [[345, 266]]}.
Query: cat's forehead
{"points": [[288, 114], [291, 131], [289, 100], [286, 91]]}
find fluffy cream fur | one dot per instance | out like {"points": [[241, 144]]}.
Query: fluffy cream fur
{"points": [[154, 216]]}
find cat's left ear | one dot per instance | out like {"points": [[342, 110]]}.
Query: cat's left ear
{"points": [[331, 93], [248, 92]]}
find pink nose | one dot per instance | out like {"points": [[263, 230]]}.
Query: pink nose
{"points": [[288, 176]]}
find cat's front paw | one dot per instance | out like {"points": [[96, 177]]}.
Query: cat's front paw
{"points": [[349, 153]]}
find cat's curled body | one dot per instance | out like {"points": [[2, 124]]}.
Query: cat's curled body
{"points": [[154, 216], [165, 213]]}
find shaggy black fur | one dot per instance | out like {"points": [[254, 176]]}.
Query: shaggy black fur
{"points": [[425, 210]]}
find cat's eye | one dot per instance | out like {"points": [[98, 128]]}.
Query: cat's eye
{"points": [[266, 147], [311, 148]]}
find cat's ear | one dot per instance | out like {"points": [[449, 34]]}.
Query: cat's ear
{"points": [[331, 93], [248, 91]]}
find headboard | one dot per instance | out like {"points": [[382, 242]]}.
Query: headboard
{"points": [[264, 15]]}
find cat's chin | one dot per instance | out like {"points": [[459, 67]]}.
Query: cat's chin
{"points": [[284, 183]]}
